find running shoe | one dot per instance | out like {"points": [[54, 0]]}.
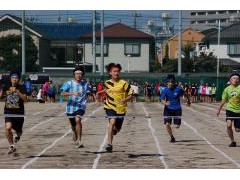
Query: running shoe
{"points": [[109, 148], [11, 150], [233, 144], [16, 139], [172, 140], [79, 144]]}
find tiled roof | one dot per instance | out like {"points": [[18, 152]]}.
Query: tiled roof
{"points": [[62, 31], [229, 62], [58, 31], [228, 34], [120, 30]]}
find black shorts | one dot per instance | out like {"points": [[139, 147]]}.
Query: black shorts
{"points": [[168, 112], [17, 123], [51, 95], [149, 94], [72, 120], [119, 120], [135, 95], [236, 121], [28, 93]]}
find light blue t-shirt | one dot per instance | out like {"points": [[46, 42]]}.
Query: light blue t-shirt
{"points": [[76, 103]]}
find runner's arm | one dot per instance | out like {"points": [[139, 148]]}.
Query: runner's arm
{"points": [[220, 107], [129, 97], [70, 93], [164, 102], [1, 93], [23, 96]]}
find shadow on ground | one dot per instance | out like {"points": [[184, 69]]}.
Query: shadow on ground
{"points": [[143, 155]]}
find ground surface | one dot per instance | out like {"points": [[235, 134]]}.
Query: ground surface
{"points": [[202, 141]]}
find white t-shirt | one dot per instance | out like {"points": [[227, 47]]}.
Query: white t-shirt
{"points": [[39, 95], [208, 90], [135, 89]]}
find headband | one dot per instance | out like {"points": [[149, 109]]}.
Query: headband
{"points": [[14, 75]]}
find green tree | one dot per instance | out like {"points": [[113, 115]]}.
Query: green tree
{"points": [[206, 62], [166, 57], [170, 66], [11, 53], [186, 51]]}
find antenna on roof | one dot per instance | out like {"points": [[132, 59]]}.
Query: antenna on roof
{"points": [[59, 18]]}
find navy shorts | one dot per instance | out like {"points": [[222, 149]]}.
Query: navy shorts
{"points": [[72, 120], [235, 121], [119, 120], [17, 123], [168, 112]]}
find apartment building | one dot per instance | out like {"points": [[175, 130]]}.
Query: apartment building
{"points": [[202, 19]]}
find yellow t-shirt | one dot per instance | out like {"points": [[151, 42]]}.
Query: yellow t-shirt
{"points": [[117, 91]]}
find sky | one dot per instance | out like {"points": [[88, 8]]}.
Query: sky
{"points": [[110, 16]]}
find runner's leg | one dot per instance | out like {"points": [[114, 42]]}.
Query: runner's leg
{"points": [[9, 134], [229, 130]]}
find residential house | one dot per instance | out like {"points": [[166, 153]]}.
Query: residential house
{"points": [[131, 48], [67, 44], [58, 44], [227, 49], [189, 36]]}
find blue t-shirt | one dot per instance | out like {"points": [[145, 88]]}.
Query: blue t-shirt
{"points": [[76, 103], [28, 86], [172, 95]]}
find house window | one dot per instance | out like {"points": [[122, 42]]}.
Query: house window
{"points": [[211, 12], [193, 14], [58, 55], [234, 49], [212, 21], [201, 22], [98, 50], [222, 12], [201, 13], [132, 49], [232, 11]]}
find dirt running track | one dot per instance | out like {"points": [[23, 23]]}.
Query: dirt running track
{"points": [[202, 141]]}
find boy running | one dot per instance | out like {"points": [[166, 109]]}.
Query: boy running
{"points": [[76, 90], [231, 96], [118, 93], [14, 104], [170, 97]]}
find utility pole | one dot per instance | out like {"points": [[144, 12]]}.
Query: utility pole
{"points": [[94, 42], [136, 15], [102, 43], [180, 44], [219, 30], [23, 43]]}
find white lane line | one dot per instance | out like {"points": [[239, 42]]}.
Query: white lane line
{"points": [[39, 112], [34, 127], [38, 155], [210, 144], [204, 114], [39, 124], [160, 151], [96, 160], [53, 144]]}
